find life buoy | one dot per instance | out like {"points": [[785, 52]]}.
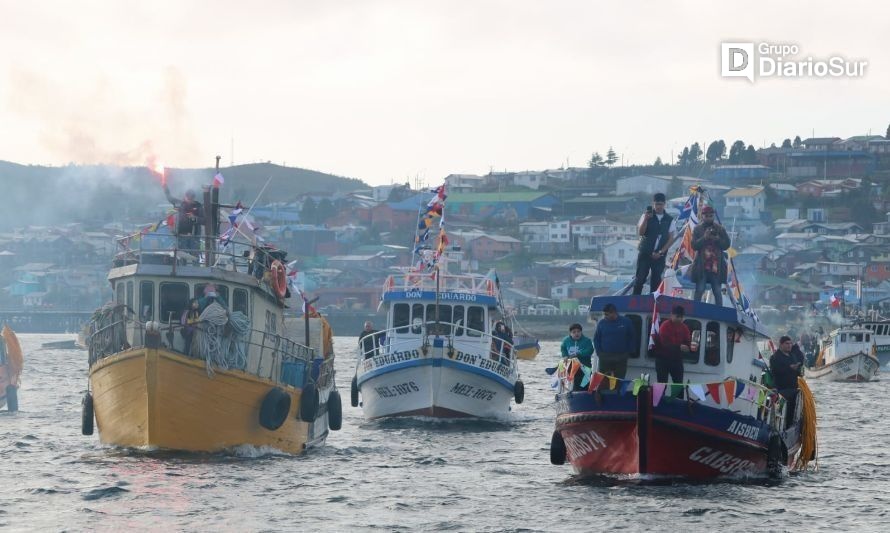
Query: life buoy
{"points": [[335, 411], [273, 411], [557, 449], [279, 278], [519, 391], [86, 414], [309, 403]]}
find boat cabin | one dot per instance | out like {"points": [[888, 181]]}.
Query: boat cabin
{"points": [[727, 343], [845, 342]]}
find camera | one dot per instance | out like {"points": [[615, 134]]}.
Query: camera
{"points": [[649, 209]]}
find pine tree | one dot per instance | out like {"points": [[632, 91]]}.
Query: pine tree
{"points": [[611, 158], [797, 142], [786, 143]]}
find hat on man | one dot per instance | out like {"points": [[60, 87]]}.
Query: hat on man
{"points": [[707, 210]]}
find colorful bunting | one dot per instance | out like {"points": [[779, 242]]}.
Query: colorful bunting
{"points": [[595, 381], [714, 391], [657, 393], [739, 387], [729, 389]]}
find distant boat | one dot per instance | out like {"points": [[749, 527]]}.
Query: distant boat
{"points": [[61, 345], [11, 365], [526, 347], [881, 331], [846, 354]]}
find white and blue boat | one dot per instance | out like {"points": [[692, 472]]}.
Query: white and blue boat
{"points": [[439, 354]]}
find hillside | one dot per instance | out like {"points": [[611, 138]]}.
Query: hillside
{"points": [[38, 195]]}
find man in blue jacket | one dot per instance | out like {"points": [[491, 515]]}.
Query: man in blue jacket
{"points": [[614, 342]]}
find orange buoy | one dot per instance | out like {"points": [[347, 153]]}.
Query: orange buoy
{"points": [[278, 278]]}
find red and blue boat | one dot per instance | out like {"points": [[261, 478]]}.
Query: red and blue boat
{"points": [[722, 421]]}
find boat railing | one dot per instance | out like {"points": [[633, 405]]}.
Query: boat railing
{"points": [[458, 283], [172, 250], [422, 336], [261, 353]]}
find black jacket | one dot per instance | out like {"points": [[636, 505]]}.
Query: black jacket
{"points": [[785, 377], [655, 231]]}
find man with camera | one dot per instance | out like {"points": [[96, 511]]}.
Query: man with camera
{"points": [[656, 229], [709, 240]]}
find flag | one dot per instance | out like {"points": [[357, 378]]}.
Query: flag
{"points": [[218, 180], [653, 331]]}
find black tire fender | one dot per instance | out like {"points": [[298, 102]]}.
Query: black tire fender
{"points": [[309, 403], [519, 391], [335, 411], [274, 409], [557, 449], [353, 393], [86, 414]]}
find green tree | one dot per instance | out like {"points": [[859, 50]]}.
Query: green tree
{"points": [[786, 143], [695, 153], [325, 210], [309, 211], [750, 157], [658, 162], [683, 158], [797, 142], [611, 157], [596, 160], [716, 151], [888, 134], [735, 152]]}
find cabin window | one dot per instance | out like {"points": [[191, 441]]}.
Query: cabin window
{"points": [[221, 290], [695, 328], [174, 300], [417, 319], [458, 318], [147, 299], [240, 302], [271, 319], [867, 337], [120, 293], [712, 344], [475, 321], [401, 316], [843, 337], [130, 295], [444, 317], [637, 321], [733, 336], [855, 337]]}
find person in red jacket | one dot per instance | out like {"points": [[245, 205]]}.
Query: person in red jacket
{"points": [[674, 340]]}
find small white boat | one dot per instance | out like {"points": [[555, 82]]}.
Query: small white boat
{"points": [[846, 354], [881, 330]]}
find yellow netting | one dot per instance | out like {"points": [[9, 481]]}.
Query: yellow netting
{"points": [[807, 427], [13, 355]]}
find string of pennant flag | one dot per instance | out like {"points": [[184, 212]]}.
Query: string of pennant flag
{"points": [[723, 393], [428, 256]]}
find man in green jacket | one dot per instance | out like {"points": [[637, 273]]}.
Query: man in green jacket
{"points": [[577, 345]]}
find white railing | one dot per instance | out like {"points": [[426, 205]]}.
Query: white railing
{"points": [[460, 283]]}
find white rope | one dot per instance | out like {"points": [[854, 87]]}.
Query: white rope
{"points": [[236, 342], [212, 323]]}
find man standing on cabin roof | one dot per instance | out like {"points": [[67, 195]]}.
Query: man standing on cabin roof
{"points": [[709, 240], [188, 222], [656, 229], [614, 341]]}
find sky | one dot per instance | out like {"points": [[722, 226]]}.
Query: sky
{"points": [[394, 91]]}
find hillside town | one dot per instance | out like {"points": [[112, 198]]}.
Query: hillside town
{"points": [[809, 222]]}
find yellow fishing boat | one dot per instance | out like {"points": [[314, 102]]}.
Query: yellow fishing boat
{"points": [[11, 364], [526, 347], [195, 353]]}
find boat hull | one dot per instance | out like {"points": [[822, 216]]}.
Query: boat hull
{"points": [[856, 368], [608, 434], [4, 382], [155, 398], [437, 387], [526, 352]]}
